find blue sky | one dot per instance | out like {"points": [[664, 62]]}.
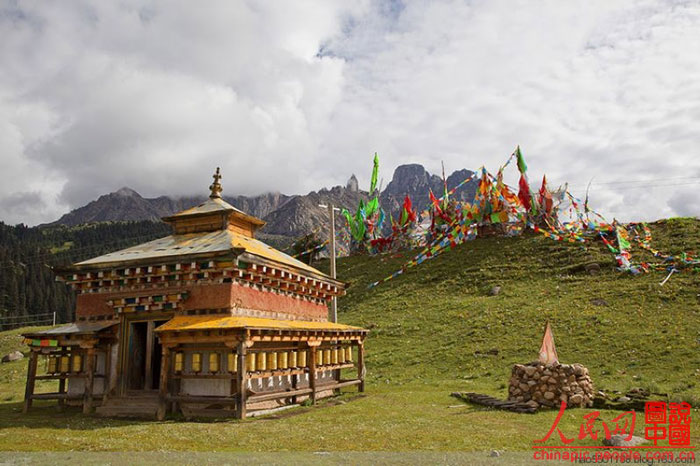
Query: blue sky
{"points": [[294, 96]]}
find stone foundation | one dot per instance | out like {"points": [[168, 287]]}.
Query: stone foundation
{"points": [[548, 385]]}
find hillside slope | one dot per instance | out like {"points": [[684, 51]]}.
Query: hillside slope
{"points": [[438, 320]]}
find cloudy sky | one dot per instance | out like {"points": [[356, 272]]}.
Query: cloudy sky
{"points": [[291, 96]]}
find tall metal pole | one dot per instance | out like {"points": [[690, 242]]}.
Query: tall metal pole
{"points": [[334, 300]]}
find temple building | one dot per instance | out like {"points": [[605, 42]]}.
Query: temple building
{"points": [[209, 321]]}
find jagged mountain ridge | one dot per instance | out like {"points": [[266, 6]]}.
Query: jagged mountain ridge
{"points": [[289, 216]]}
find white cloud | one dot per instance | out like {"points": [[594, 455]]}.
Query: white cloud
{"points": [[293, 96]]}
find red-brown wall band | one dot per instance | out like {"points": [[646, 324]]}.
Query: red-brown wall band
{"points": [[212, 296]]}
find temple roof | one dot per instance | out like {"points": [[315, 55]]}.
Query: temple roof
{"points": [[187, 323], [76, 328], [213, 205], [194, 244]]}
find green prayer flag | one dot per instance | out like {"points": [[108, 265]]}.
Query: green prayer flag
{"points": [[522, 166], [375, 174]]}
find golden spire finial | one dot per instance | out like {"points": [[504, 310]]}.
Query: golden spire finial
{"points": [[216, 186]]}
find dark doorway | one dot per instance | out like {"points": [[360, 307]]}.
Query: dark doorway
{"points": [[138, 337], [144, 356]]}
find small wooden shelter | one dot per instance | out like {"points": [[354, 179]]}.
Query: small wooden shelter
{"points": [[207, 321]]}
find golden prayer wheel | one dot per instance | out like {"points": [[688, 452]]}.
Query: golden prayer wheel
{"points": [[65, 363], [271, 361], [196, 362], [178, 362], [51, 364], [301, 359], [282, 360], [232, 362], [348, 353], [319, 357], [262, 362], [213, 362], [292, 359], [327, 356], [334, 356], [77, 363], [250, 362], [341, 355]]}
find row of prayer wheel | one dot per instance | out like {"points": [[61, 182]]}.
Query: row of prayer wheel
{"points": [[267, 361], [64, 364], [270, 361]]}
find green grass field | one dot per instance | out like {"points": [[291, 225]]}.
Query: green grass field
{"points": [[435, 330]]}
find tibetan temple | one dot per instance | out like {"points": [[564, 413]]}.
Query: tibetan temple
{"points": [[208, 321]]}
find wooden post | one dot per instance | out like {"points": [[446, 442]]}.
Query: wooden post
{"points": [[148, 382], [61, 391], [107, 379], [241, 381], [312, 373], [295, 379], [163, 388], [334, 300], [31, 379], [361, 365], [175, 386], [89, 381]]}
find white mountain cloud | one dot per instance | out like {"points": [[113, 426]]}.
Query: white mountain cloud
{"points": [[292, 96]]}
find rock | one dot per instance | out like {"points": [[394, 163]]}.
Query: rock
{"points": [[548, 395], [533, 403], [599, 302], [530, 371], [13, 356], [495, 454], [576, 399], [495, 291], [620, 441], [352, 185], [624, 399], [593, 269]]}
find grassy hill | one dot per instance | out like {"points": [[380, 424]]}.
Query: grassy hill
{"points": [[435, 330]]}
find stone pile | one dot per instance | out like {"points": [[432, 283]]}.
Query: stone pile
{"points": [[540, 384]]}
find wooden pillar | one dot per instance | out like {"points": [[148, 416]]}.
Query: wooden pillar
{"points": [[295, 386], [148, 382], [175, 384], [107, 379], [163, 387], [61, 391], [312, 373], [89, 380], [241, 381], [31, 379], [361, 365]]}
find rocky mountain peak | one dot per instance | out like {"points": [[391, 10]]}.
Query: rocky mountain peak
{"points": [[287, 216], [352, 185], [410, 179], [126, 192]]}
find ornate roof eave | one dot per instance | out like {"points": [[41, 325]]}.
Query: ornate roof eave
{"points": [[255, 259], [232, 254]]}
